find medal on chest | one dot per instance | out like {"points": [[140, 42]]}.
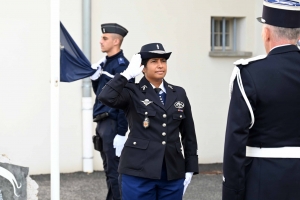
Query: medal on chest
{"points": [[146, 121]]}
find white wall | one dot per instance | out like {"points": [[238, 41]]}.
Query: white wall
{"points": [[257, 40], [183, 27], [24, 83]]}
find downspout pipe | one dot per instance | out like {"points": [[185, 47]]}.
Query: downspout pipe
{"points": [[87, 103]]}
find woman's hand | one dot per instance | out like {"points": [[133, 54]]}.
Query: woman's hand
{"points": [[188, 178], [134, 68]]}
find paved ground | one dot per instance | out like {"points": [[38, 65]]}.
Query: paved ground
{"points": [[82, 186]]}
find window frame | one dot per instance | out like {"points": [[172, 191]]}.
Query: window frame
{"points": [[230, 23]]}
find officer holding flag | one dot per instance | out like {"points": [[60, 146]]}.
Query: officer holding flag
{"points": [[111, 123]]}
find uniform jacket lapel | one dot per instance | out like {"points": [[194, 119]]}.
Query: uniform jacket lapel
{"points": [[171, 95], [149, 92]]}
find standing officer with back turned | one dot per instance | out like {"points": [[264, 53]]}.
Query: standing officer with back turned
{"points": [[111, 123], [262, 144]]}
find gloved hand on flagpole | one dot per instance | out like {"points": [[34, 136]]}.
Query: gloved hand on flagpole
{"points": [[97, 66]]}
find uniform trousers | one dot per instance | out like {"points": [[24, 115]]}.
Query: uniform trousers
{"points": [[138, 188], [106, 129]]}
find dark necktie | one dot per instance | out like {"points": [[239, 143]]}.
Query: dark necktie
{"points": [[161, 95], [157, 90]]}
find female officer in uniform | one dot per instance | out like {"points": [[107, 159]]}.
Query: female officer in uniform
{"points": [[152, 165]]}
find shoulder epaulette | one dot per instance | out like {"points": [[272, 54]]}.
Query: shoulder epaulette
{"points": [[236, 74], [121, 61], [249, 60]]}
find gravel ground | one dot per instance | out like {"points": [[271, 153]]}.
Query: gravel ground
{"points": [[82, 186]]}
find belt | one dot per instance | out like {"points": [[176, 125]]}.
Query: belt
{"points": [[101, 117], [279, 152]]}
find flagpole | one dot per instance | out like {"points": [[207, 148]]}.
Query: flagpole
{"points": [[87, 101], [54, 85]]}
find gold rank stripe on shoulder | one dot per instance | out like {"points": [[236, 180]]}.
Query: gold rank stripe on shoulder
{"points": [[247, 61]]}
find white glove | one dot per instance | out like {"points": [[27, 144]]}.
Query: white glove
{"points": [[118, 143], [134, 68], [188, 178], [97, 74], [97, 64]]}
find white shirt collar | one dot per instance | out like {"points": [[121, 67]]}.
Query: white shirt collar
{"points": [[280, 46], [162, 87]]}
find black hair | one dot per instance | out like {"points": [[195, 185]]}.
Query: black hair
{"points": [[144, 62]]}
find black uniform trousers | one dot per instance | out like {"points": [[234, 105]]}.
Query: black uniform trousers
{"points": [[106, 129]]}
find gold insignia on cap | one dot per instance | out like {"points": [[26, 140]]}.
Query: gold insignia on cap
{"points": [[157, 46], [103, 30]]}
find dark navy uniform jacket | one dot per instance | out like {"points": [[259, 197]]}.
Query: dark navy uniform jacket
{"points": [[272, 86], [114, 64], [146, 148]]}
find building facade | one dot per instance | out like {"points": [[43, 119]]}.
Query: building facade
{"points": [[205, 38]]}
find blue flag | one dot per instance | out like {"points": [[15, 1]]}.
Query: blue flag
{"points": [[73, 63]]}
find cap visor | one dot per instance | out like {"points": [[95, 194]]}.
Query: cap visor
{"points": [[261, 20]]}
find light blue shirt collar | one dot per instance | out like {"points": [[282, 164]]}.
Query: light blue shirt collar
{"points": [[162, 87]]}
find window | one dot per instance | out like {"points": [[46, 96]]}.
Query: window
{"points": [[224, 37], [223, 34]]}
